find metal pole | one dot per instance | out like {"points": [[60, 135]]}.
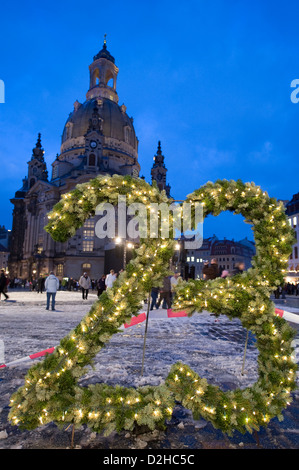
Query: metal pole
{"points": [[146, 325], [125, 254], [246, 341]]}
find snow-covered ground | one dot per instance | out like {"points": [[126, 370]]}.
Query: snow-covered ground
{"points": [[213, 347]]}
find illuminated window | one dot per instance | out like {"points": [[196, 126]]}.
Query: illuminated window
{"points": [[188, 259], [59, 270], [294, 221], [88, 235], [89, 223], [87, 245]]}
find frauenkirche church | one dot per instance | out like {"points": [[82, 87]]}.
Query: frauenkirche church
{"points": [[98, 138]]}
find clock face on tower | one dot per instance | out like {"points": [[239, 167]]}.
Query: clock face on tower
{"points": [[93, 144]]}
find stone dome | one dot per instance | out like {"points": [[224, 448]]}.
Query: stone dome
{"points": [[116, 122]]}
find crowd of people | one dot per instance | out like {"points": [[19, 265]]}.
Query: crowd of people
{"points": [[286, 289], [211, 270], [164, 294]]}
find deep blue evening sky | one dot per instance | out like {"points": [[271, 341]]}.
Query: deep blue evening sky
{"points": [[211, 80]]}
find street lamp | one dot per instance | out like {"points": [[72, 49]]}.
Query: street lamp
{"points": [[129, 245]]}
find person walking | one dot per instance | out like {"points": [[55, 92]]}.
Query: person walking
{"points": [[110, 279], [3, 285], [165, 294], [40, 284], [51, 286], [85, 284], [154, 296], [101, 285]]}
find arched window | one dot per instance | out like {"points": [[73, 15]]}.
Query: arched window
{"points": [[96, 78], [109, 79], [86, 267], [59, 269], [32, 182], [92, 160]]}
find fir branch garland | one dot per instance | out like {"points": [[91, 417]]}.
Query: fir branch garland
{"points": [[51, 391]]}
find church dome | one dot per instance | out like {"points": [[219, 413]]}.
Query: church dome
{"points": [[101, 112], [116, 124]]}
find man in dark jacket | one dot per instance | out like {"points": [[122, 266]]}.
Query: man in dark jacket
{"points": [[210, 271], [154, 296], [3, 284], [101, 285], [165, 293]]}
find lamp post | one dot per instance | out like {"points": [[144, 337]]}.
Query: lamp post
{"points": [[126, 245], [177, 256]]}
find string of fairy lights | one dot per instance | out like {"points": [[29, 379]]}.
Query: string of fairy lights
{"points": [[51, 391]]}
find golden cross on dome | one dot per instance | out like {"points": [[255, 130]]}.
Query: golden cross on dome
{"points": [[105, 41]]}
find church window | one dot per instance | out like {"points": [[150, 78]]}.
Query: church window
{"points": [[87, 245], [96, 78], [59, 270], [41, 232], [89, 223], [86, 267], [55, 171], [92, 159], [32, 182], [109, 79], [88, 235]]}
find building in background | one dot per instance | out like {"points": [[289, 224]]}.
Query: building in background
{"points": [[292, 212], [4, 254], [159, 171], [98, 139], [5, 237], [227, 253]]}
